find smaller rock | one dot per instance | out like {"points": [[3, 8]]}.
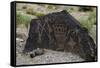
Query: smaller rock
{"points": [[32, 55], [36, 52]]}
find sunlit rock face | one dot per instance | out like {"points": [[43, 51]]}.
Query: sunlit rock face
{"points": [[61, 32]]}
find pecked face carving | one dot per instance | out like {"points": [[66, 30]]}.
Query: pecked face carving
{"points": [[60, 32]]}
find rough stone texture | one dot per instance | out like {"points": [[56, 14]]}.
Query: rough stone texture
{"points": [[77, 40], [49, 56]]}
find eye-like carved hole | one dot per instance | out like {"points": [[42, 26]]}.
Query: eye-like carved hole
{"points": [[56, 29], [59, 30]]}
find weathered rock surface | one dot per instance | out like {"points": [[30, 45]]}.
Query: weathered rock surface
{"points": [[49, 56]]}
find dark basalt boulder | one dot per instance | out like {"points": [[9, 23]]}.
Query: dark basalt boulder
{"points": [[62, 32]]}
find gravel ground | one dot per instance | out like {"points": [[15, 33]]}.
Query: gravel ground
{"points": [[49, 56]]}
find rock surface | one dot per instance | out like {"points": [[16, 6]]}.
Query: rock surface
{"points": [[49, 56]]}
